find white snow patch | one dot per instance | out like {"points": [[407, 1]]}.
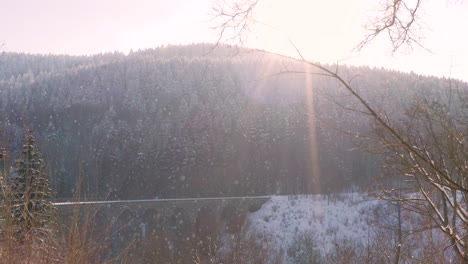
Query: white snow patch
{"points": [[331, 218]]}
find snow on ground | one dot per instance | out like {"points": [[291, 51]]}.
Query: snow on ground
{"points": [[331, 218]]}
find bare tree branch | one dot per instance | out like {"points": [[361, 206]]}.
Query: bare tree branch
{"points": [[399, 21]]}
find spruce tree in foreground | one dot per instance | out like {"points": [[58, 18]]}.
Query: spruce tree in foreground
{"points": [[32, 211]]}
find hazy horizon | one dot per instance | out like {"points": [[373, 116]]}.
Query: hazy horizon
{"points": [[321, 31]]}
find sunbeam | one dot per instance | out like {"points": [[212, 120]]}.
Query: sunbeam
{"points": [[313, 180]]}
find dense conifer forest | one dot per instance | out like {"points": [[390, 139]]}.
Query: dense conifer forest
{"points": [[193, 121]]}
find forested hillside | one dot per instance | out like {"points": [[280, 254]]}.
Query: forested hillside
{"points": [[192, 121]]}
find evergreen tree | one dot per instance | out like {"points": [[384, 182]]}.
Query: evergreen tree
{"points": [[32, 211]]}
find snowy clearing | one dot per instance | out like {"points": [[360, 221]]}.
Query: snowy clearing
{"points": [[330, 217]]}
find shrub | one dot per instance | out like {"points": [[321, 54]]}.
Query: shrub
{"points": [[304, 249]]}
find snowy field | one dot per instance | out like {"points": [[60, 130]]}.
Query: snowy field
{"points": [[329, 218]]}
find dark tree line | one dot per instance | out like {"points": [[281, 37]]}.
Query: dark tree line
{"points": [[181, 121]]}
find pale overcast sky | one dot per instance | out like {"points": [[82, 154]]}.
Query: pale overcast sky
{"points": [[325, 31]]}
